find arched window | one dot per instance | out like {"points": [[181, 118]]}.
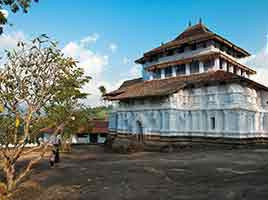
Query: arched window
{"points": [[212, 123]]}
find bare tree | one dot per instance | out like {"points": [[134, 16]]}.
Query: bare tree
{"points": [[35, 75]]}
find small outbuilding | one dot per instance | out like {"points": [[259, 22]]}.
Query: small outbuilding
{"points": [[96, 134]]}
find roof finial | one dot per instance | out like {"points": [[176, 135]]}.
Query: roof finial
{"points": [[200, 20], [190, 24]]}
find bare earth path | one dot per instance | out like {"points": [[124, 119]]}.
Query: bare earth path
{"points": [[90, 173]]}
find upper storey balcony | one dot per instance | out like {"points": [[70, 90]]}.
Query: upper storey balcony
{"points": [[196, 50], [197, 64]]}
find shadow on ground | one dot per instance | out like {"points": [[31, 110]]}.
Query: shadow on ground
{"points": [[90, 173]]}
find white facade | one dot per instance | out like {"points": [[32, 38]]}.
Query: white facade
{"points": [[230, 110], [217, 111]]}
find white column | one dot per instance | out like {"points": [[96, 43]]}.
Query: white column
{"points": [[202, 127], [224, 66], [244, 74], [151, 77], [225, 116], [201, 67], [231, 68], [238, 71], [187, 66], [218, 121], [173, 71], [216, 64], [162, 73], [261, 121], [188, 121], [257, 122]]}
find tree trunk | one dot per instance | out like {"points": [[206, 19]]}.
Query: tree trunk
{"points": [[10, 176], [66, 145]]}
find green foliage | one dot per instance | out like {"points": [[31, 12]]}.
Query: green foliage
{"points": [[102, 90], [37, 79], [80, 117]]}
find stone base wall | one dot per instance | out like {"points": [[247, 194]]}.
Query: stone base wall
{"points": [[159, 143]]}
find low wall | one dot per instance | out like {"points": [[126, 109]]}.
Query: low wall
{"points": [[156, 142]]}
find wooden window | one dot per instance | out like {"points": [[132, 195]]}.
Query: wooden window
{"points": [[194, 67], [180, 50], [222, 47], [181, 69], [155, 58], [168, 72], [228, 67], [103, 135], [157, 74], [193, 47], [208, 64], [235, 69], [170, 52], [217, 45], [221, 63]]}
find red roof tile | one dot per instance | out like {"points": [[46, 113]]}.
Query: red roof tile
{"points": [[99, 126], [164, 87], [193, 34]]}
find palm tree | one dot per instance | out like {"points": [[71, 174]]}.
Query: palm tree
{"points": [[102, 90]]}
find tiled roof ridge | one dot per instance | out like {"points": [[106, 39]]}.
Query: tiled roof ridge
{"points": [[167, 86], [196, 33], [199, 26]]}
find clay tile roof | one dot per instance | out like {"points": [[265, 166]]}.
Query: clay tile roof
{"points": [[195, 30], [193, 34], [100, 126], [131, 82], [164, 87]]}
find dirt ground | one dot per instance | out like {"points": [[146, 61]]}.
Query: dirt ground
{"points": [[90, 173]]}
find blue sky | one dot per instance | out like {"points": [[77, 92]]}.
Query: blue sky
{"points": [[118, 31]]}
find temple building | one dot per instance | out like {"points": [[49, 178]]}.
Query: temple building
{"points": [[193, 87]]}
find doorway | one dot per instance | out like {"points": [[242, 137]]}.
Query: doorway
{"points": [[140, 133]]}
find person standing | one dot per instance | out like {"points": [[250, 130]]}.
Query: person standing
{"points": [[57, 148]]}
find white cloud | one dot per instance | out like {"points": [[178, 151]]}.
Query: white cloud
{"points": [[259, 62], [135, 71], [91, 39], [92, 63], [113, 47], [126, 60], [10, 40], [94, 66]]}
